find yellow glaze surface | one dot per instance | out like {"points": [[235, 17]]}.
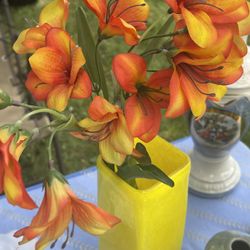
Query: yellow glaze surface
{"points": [[153, 218]]}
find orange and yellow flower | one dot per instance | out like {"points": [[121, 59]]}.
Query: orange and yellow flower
{"points": [[59, 207], [107, 125], [53, 15], [202, 74], [148, 97], [244, 25], [57, 74], [120, 17], [201, 16], [11, 182]]}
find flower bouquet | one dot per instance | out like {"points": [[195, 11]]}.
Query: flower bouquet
{"points": [[200, 50]]}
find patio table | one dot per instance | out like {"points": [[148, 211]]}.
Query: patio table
{"points": [[205, 217]]}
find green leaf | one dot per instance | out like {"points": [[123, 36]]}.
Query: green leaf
{"points": [[145, 158], [93, 61], [129, 172]]}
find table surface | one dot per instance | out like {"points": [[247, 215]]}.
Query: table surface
{"points": [[205, 217]]}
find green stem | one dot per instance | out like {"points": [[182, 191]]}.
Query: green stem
{"points": [[163, 35], [50, 145], [24, 105], [151, 52], [43, 110]]}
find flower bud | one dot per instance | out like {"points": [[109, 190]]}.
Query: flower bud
{"points": [[5, 100]]}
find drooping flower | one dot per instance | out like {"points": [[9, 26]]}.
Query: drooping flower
{"points": [[59, 207], [107, 125], [57, 74], [148, 97], [244, 25], [200, 16], [11, 182], [53, 15], [202, 74], [120, 17]]}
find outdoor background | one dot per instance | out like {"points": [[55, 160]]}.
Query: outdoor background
{"points": [[77, 154]]}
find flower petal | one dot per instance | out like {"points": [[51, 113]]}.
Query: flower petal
{"points": [[129, 70], [56, 227], [77, 61], [173, 5], [55, 13], [118, 26], [35, 37], [14, 187], [100, 109], [4, 135], [132, 15], [154, 130], [200, 27], [18, 46], [120, 137], [195, 98], [234, 16], [178, 103], [109, 154], [160, 82], [140, 115], [99, 7], [244, 25], [58, 98], [49, 65], [61, 40], [83, 86], [92, 219], [38, 89]]}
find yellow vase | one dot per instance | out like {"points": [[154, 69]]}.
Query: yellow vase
{"points": [[153, 217]]}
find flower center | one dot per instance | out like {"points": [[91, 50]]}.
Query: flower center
{"points": [[99, 135], [194, 74]]}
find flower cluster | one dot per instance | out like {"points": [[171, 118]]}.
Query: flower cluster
{"points": [[203, 54]]}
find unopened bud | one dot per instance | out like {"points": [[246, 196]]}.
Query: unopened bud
{"points": [[5, 100]]}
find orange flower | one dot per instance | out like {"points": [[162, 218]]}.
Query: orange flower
{"points": [[200, 17], [244, 25], [120, 17], [59, 206], [143, 107], [57, 72], [11, 182], [201, 74], [107, 125], [55, 15]]}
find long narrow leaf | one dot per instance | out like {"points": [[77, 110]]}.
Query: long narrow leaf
{"points": [[88, 45], [130, 172]]}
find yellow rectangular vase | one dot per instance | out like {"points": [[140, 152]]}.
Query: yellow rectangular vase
{"points": [[153, 217]]}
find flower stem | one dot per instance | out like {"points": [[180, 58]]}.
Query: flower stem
{"points": [[24, 105], [164, 35], [43, 110]]}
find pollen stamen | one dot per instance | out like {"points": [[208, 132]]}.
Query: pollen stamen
{"points": [[203, 3], [53, 244], [131, 7], [195, 84], [66, 240], [72, 230]]}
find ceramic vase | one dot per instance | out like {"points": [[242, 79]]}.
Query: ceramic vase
{"points": [[153, 216]]}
